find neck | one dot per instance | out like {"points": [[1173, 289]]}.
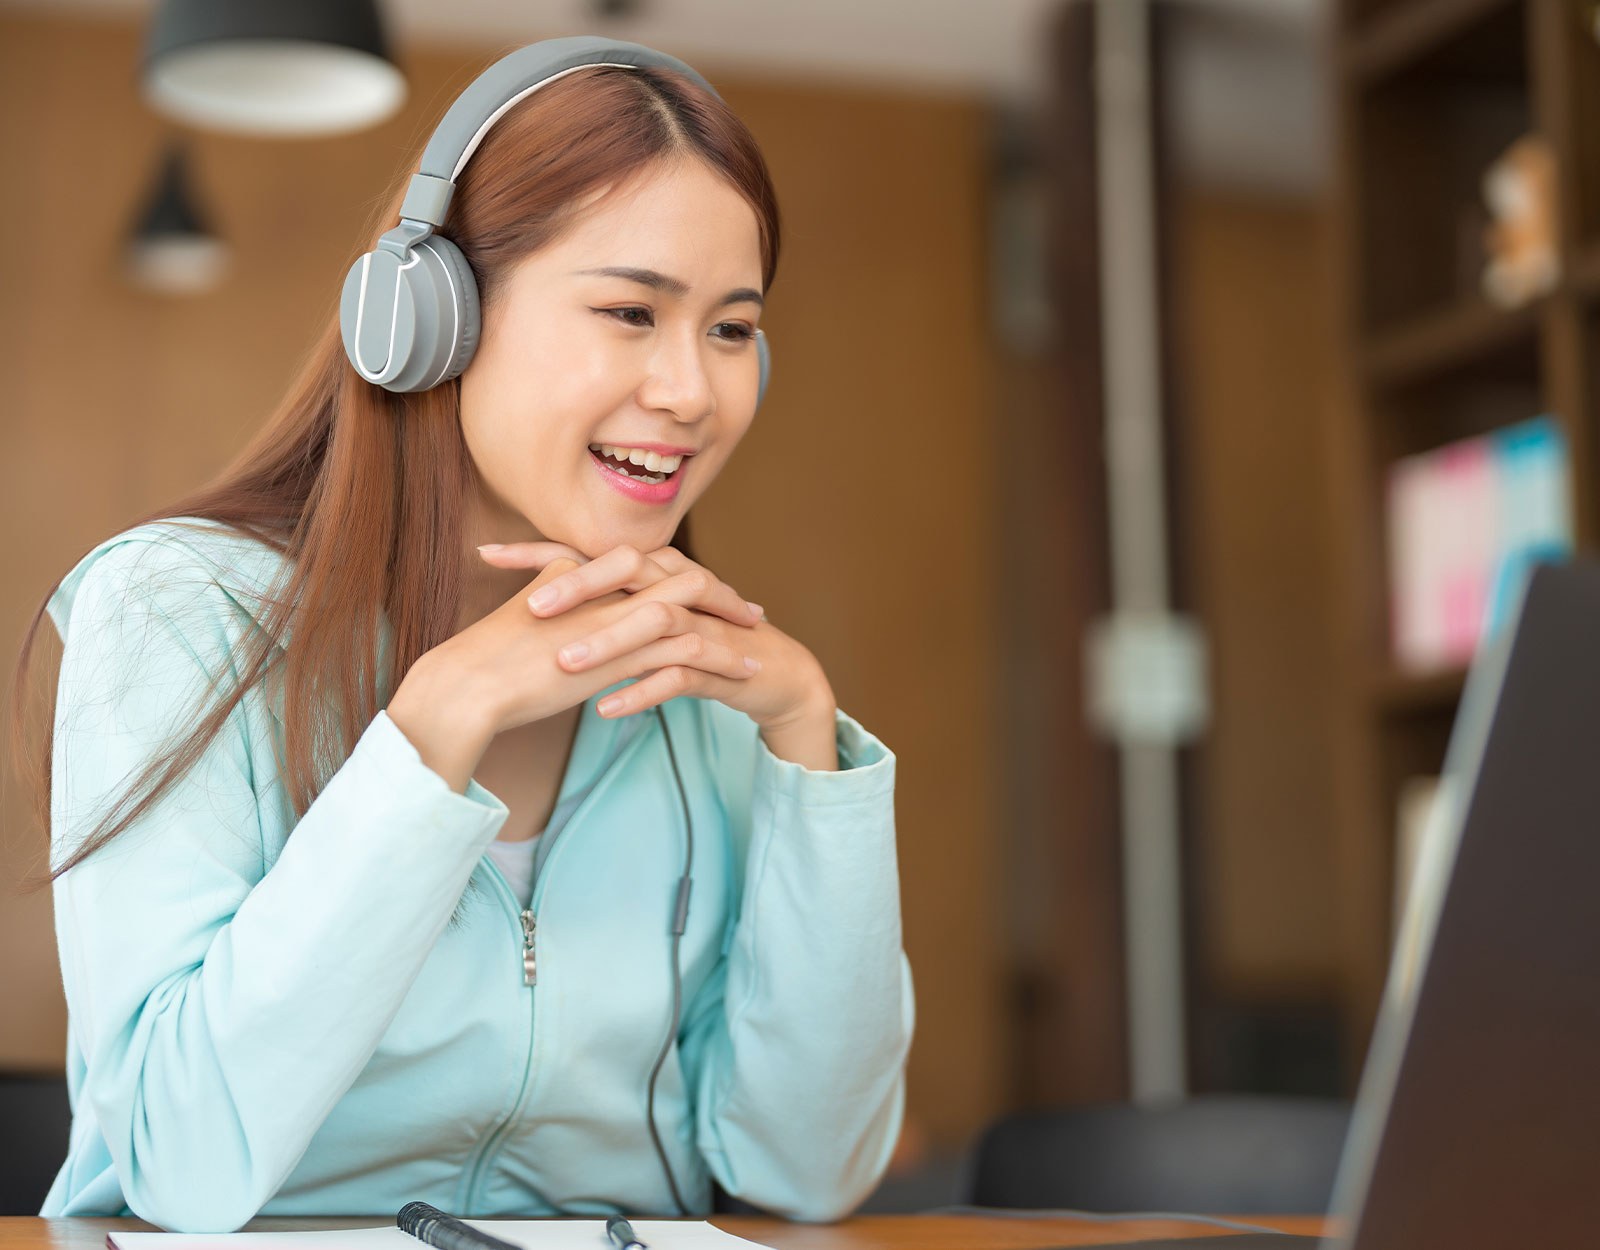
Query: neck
{"points": [[484, 587]]}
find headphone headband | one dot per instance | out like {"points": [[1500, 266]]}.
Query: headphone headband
{"points": [[513, 77]]}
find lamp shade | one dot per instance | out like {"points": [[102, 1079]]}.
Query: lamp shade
{"points": [[271, 67], [172, 251]]}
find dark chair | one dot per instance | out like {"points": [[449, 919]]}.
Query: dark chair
{"points": [[35, 1121], [1240, 1154]]}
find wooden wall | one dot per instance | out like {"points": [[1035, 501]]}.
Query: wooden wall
{"points": [[1255, 365], [116, 401]]}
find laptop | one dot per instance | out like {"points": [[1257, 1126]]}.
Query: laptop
{"points": [[1477, 1122]]}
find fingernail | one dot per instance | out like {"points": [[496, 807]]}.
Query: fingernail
{"points": [[755, 608], [608, 705], [491, 546], [751, 663], [542, 598], [574, 653]]}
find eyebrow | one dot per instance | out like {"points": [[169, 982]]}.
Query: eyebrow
{"points": [[675, 287]]}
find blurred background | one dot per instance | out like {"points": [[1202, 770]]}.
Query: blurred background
{"points": [[1167, 397]]}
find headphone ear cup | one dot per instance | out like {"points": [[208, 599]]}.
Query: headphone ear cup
{"points": [[463, 296], [410, 325], [764, 355]]}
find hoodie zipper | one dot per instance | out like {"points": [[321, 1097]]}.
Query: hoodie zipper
{"points": [[528, 921], [491, 1141]]}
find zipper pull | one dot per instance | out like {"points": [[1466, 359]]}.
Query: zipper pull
{"points": [[529, 921]]}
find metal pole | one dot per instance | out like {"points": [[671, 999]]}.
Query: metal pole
{"points": [[1137, 500]]}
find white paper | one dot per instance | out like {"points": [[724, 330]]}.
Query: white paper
{"points": [[553, 1234]]}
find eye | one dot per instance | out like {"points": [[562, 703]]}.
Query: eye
{"points": [[741, 332]]}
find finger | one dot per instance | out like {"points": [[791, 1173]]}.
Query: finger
{"points": [[642, 624], [689, 647], [721, 599], [671, 559], [529, 555], [551, 571], [622, 568], [667, 683], [661, 610]]}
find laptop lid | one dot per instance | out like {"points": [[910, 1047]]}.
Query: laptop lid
{"points": [[1478, 1117]]}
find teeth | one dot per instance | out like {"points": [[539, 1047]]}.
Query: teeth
{"points": [[650, 460], [652, 478]]}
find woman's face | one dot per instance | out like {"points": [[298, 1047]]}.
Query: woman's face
{"points": [[572, 358]]}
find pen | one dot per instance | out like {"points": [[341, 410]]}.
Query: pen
{"points": [[428, 1223], [621, 1232]]}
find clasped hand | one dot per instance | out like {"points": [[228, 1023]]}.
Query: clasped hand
{"points": [[671, 623]]}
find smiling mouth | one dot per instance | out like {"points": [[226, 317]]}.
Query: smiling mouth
{"points": [[626, 468], [637, 472]]}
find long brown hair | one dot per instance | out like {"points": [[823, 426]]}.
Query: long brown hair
{"points": [[365, 490]]}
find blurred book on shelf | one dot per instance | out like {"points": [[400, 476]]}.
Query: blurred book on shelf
{"points": [[1466, 523]]}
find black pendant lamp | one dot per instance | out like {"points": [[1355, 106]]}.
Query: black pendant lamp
{"points": [[271, 67], [172, 251]]}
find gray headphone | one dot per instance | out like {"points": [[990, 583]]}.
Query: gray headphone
{"points": [[409, 311]]}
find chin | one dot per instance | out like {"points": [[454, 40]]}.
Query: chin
{"points": [[593, 549]]}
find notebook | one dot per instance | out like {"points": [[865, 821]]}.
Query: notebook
{"points": [[548, 1234]]}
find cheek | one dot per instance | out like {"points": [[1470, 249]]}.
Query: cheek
{"points": [[490, 437], [734, 435]]}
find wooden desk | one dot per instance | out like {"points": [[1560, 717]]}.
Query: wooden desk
{"points": [[865, 1232]]}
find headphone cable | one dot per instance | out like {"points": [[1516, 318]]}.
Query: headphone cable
{"points": [[680, 918]]}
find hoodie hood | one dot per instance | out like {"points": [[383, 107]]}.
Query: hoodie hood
{"points": [[245, 568]]}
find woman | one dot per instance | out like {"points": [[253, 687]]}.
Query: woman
{"points": [[364, 892]]}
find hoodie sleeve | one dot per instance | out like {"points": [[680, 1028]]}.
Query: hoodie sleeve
{"points": [[226, 995], [795, 1049]]}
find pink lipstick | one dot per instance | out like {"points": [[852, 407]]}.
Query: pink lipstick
{"points": [[633, 488]]}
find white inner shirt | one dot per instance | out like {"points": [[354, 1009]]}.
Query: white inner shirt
{"points": [[515, 862]]}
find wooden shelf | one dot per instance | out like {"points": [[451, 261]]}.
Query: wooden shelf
{"points": [[1447, 339], [1429, 93], [1583, 276], [1401, 36], [1398, 693], [1464, 333]]}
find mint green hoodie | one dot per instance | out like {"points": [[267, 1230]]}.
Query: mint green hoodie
{"points": [[289, 1026]]}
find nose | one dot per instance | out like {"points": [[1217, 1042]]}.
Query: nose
{"points": [[678, 380]]}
